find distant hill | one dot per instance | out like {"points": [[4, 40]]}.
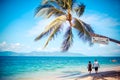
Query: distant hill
{"points": [[55, 54], [8, 53], [34, 53]]}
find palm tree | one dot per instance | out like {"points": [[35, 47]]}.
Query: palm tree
{"points": [[63, 10]]}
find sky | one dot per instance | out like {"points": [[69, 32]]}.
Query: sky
{"points": [[19, 27]]}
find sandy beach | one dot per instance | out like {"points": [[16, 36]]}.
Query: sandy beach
{"points": [[111, 73]]}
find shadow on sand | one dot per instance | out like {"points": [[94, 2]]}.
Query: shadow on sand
{"points": [[99, 76]]}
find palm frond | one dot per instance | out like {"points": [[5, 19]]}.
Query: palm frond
{"points": [[59, 20], [45, 1], [79, 9], [68, 39], [55, 12], [54, 32], [73, 3], [42, 9], [49, 1], [69, 3], [60, 4], [64, 4], [52, 2], [84, 31], [88, 27], [48, 10]]}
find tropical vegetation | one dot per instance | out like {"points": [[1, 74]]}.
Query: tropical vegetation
{"points": [[63, 11]]}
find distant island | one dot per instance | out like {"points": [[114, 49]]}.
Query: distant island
{"points": [[35, 53]]}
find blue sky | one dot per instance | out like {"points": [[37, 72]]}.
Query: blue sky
{"points": [[18, 27]]}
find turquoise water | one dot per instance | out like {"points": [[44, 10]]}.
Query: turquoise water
{"points": [[13, 65]]}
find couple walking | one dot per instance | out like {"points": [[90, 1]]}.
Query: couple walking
{"points": [[95, 66]]}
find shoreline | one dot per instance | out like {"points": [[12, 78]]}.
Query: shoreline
{"points": [[111, 73]]}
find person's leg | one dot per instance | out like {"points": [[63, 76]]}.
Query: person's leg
{"points": [[95, 69], [90, 72]]}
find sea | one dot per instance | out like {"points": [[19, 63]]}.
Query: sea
{"points": [[17, 65]]}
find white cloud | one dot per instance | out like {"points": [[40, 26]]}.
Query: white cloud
{"points": [[102, 45], [116, 51], [51, 49], [15, 47], [39, 27], [100, 20]]}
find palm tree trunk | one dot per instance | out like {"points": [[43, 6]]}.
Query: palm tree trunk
{"points": [[69, 17], [112, 40]]}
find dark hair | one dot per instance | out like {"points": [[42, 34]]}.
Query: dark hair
{"points": [[89, 61]]}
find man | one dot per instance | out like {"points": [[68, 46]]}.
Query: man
{"points": [[96, 66]]}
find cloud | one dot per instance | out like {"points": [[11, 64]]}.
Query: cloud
{"points": [[100, 20], [39, 27], [102, 45], [118, 45], [51, 49], [21, 48], [116, 51], [15, 47]]}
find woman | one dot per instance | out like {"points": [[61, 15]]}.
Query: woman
{"points": [[89, 67]]}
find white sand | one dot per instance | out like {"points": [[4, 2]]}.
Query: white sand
{"points": [[111, 73]]}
